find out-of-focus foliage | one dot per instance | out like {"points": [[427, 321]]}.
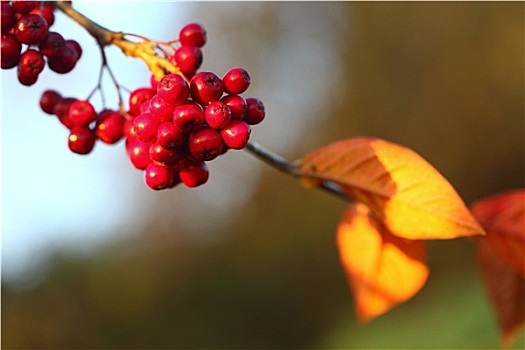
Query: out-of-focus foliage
{"points": [[445, 79]]}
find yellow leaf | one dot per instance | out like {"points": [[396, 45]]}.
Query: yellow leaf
{"points": [[411, 198], [382, 270]]}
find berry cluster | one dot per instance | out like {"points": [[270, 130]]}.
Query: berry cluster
{"points": [[173, 126], [27, 42]]}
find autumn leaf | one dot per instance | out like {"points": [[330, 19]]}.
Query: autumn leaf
{"points": [[501, 258], [411, 198], [382, 270]]}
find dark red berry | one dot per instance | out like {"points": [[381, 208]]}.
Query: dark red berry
{"points": [[236, 134], [61, 110], [255, 111], [173, 89], [237, 105], [188, 117], [194, 175], [23, 6], [137, 97], [81, 140], [236, 81], [31, 62], [157, 177], [138, 153], [205, 144], [188, 58], [24, 79], [53, 45], [30, 29], [161, 155], [48, 100], [47, 12], [75, 45], [82, 113], [217, 115], [193, 34], [66, 61], [110, 127], [161, 110], [169, 136], [206, 87], [146, 127], [8, 17], [10, 51]]}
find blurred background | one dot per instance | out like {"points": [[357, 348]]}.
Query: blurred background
{"points": [[91, 258]]}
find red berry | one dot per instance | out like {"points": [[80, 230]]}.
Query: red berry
{"points": [[137, 97], [24, 79], [66, 61], [236, 81], [188, 117], [75, 45], [31, 62], [236, 134], [206, 87], [161, 155], [10, 51], [193, 34], [173, 89], [217, 115], [31, 29], [161, 110], [53, 45], [188, 58], [81, 140], [110, 127], [48, 100], [157, 177], [194, 175], [255, 112], [237, 105], [205, 144], [23, 6], [138, 153], [61, 110], [8, 17], [146, 127], [47, 12], [169, 136], [82, 113]]}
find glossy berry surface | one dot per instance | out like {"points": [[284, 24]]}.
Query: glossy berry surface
{"points": [[169, 136], [53, 45], [11, 49], [31, 62], [81, 140], [236, 134], [188, 58], [48, 100], [188, 117], [146, 127], [236, 81], [161, 110], [237, 105], [173, 89], [206, 87], [205, 144], [157, 177], [66, 61], [193, 34], [255, 111], [110, 127], [217, 115], [161, 155], [137, 97], [24, 79], [30, 29], [82, 113], [138, 153], [8, 17], [194, 175]]}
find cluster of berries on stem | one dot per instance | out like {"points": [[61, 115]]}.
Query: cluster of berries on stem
{"points": [[28, 43]]}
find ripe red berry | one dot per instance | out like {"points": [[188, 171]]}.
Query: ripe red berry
{"points": [[188, 117], [137, 97], [161, 155], [24, 79], [236, 81], [188, 58], [217, 115], [75, 45], [194, 175], [31, 29], [157, 177], [255, 112], [8, 17], [237, 105], [193, 34], [48, 100], [205, 144], [81, 140], [82, 113], [66, 61], [46, 10], [23, 6], [169, 136], [10, 52], [110, 127], [138, 153], [61, 110], [161, 110], [236, 134], [206, 87], [173, 89], [53, 45], [146, 127], [31, 63]]}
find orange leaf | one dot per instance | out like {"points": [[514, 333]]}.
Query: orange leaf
{"points": [[383, 270], [501, 258], [403, 190]]}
